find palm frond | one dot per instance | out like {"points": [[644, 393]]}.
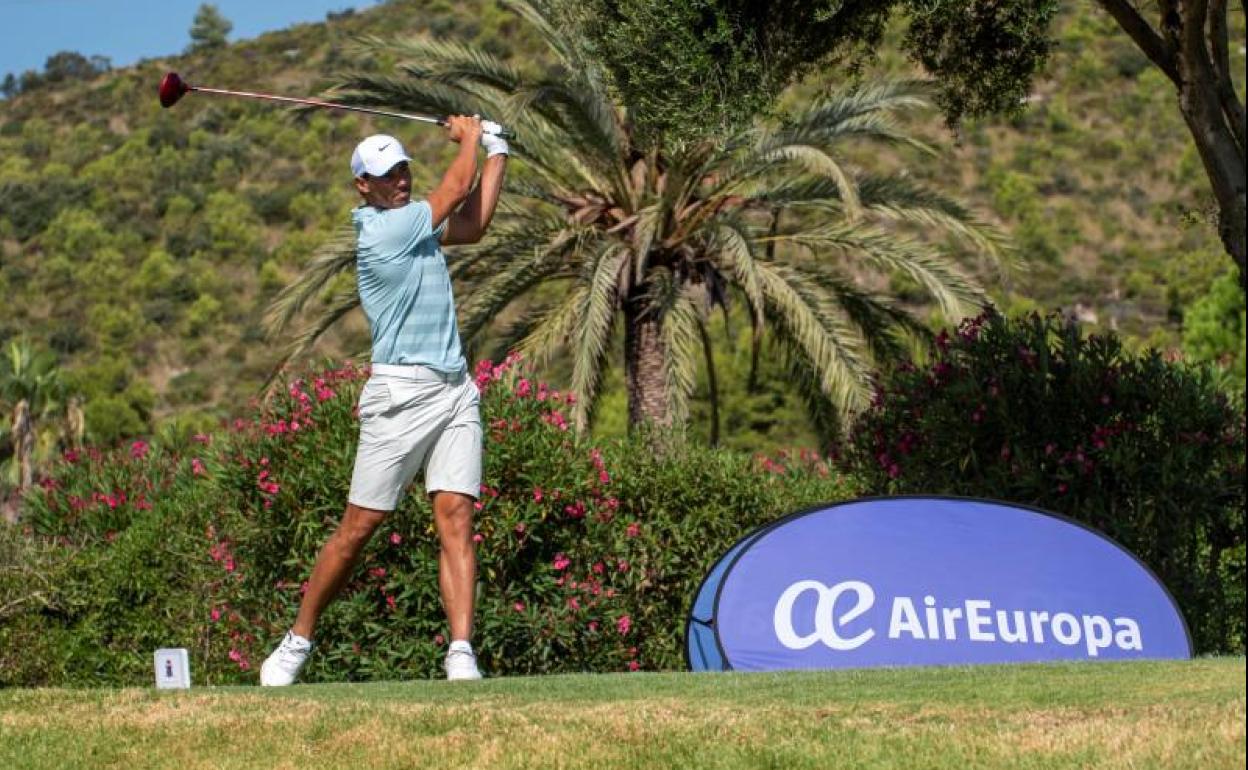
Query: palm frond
{"points": [[818, 162], [446, 61], [590, 340], [799, 310], [333, 258], [555, 326], [955, 292], [336, 308]]}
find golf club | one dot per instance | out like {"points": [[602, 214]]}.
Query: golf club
{"points": [[173, 88]]}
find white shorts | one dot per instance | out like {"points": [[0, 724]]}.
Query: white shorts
{"points": [[412, 417]]}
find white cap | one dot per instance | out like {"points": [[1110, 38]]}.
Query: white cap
{"points": [[376, 155]]}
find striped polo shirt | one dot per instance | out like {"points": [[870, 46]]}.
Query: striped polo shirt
{"points": [[405, 288]]}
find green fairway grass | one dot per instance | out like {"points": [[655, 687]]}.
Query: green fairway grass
{"points": [[1088, 715]]}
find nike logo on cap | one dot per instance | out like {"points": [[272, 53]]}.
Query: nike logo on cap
{"points": [[383, 147]]}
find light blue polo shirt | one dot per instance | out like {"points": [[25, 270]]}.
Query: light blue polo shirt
{"points": [[405, 288]]}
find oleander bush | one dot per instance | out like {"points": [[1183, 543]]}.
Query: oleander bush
{"points": [[1032, 411], [587, 556]]}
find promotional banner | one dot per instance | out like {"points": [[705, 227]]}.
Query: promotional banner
{"points": [[928, 581]]}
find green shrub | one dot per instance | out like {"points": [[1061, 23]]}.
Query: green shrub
{"points": [[587, 556], [1031, 411]]}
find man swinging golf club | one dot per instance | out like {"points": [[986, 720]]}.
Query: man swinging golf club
{"points": [[419, 408]]}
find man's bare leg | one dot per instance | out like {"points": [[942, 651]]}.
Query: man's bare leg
{"points": [[457, 562], [335, 564]]}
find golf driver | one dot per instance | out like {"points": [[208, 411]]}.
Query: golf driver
{"points": [[173, 88]]}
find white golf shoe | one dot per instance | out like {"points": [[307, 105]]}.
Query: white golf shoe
{"points": [[461, 662], [283, 666]]}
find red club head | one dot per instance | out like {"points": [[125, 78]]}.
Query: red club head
{"points": [[171, 89]]}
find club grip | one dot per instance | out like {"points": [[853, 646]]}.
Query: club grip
{"points": [[494, 129]]}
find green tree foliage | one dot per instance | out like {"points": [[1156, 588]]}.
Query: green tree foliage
{"points": [[208, 29], [657, 239], [691, 66], [1213, 332], [1032, 411], [31, 395]]}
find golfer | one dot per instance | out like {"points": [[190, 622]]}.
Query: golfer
{"points": [[419, 408]]}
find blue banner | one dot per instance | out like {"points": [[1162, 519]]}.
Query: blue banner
{"points": [[928, 581]]}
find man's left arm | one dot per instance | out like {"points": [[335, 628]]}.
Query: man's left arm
{"points": [[468, 224]]}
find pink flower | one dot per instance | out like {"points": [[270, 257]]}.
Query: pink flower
{"points": [[378, 572], [215, 614], [70, 456], [518, 606], [599, 568], [634, 665], [523, 388], [624, 624], [593, 626], [633, 530], [197, 467], [478, 537], [439, 640], [390, 603], [621, 565], [561, 562], [575, 510], [574, 603], [395, 538], [303, 588], [138, 450], [537, 494], [604, 477]]}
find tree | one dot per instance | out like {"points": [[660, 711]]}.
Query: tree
{"points": [[654, 239], [208, 29], [30, 392], [10, 87], [726, 58]]}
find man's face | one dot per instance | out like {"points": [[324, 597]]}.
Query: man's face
{"points": [[387, 192]]}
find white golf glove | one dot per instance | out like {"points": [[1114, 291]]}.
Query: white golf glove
{"points": [[490, 139]]}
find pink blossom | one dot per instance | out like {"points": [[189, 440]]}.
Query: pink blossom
{"points": [[575, 510], [624, 624], [633, 530], [519, 529], [593, 626], [599, 568], [604, 477], [523, 388], [561, 562], [518, 606], [634, 665], [138, 450], [390, 603], [215, 614], [439, 640], [70, 456], [377, 572], [621, 565], [478, 537], [574, 603], [303, 588], [197, 467], [537, 494], [395, 538]]}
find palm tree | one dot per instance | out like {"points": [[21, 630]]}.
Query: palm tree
{"points": [[653, 239], [30, 391]]}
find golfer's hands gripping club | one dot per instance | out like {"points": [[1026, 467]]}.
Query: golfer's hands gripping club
{"points": [[492, 139], [464, 129]]}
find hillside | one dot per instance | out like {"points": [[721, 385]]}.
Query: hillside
{"points": [[142, 245]]}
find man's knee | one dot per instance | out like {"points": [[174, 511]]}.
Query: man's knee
{"points": [[356, 529], [453, 513]]}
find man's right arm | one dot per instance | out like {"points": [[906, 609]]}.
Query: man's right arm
{"points": [[457, 181]]}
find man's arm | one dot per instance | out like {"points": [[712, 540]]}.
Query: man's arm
{"points": [[457, 181], [468, 224]]}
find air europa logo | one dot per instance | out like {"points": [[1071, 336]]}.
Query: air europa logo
{"points": [[916, 581], [973, 619]]}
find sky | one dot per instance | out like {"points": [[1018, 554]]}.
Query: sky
{"points": [[128, 30]]}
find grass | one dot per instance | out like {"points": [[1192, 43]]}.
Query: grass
{"points": [[1102, 715]]}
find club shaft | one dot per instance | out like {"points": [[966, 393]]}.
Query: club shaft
{"points": [[318, 103]]}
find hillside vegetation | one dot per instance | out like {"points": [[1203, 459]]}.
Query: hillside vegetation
{"points": [[142, 245]]}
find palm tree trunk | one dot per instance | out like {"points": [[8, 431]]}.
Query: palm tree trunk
{"points": [[644, 354], [24, 445]]}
